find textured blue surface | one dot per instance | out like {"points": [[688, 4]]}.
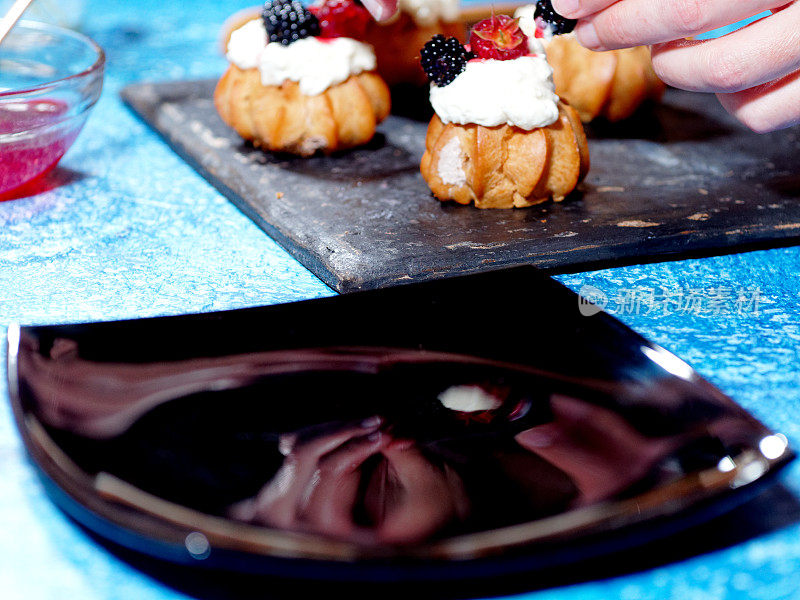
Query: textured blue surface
{"points": [[133, 231]]}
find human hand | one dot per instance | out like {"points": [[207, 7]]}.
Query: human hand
{"points": [[755, 71], [316, 487], [381, 10], [416, 498], [322, 485], [597, 448]]}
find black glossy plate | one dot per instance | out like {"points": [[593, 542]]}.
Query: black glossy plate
{"points": [[470, 426]]}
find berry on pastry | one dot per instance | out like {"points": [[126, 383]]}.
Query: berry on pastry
{"points": [[549, 22], [342, 18], [291, 88], [397, 42], [498, 37], [500, 137], [609, 84], [442, 59], [288, 21]]}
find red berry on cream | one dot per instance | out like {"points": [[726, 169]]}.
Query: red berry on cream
{"points": [[498, 38]]}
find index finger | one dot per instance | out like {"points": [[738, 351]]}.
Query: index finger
{"points": [[317, 447], [630, 23], [577, 9]]}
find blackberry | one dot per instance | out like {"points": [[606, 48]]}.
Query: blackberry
{"points": [[558, 24], [287, 21], [443, 59]]}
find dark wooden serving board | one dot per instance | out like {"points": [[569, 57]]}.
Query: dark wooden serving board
{"points": [[682, 178]]}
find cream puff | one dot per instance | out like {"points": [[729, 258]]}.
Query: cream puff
{"points": [[500, 137], [290, 88], [610, 84]]}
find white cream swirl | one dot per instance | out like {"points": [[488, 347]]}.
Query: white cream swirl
{"points": [[314, 63], [518, 92], [246, 44], [429, 12], [527, 22]]}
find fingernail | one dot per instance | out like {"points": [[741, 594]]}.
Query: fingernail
{"points": [[537, 438], [371, 423], [566, 8], [379, 9], [286, 444], [374, 437], [587, 35]]}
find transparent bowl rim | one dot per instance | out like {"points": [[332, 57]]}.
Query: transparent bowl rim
{"points": [[98, 64]]}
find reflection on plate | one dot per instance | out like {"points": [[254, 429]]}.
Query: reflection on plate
{"points": [[436, 435]]}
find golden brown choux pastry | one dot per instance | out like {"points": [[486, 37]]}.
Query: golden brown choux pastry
{"points": [[610, 84], [504, 166], [282, 119]]}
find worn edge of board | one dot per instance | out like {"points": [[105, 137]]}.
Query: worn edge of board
{"points": [[146, 98]]}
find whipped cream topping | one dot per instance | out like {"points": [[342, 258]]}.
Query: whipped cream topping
{"points": [[314, 63], [428, 12], [518, 92], [527, 22], [246, 44]]}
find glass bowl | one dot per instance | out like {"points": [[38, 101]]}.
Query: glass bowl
{"points": [[50, 78]]}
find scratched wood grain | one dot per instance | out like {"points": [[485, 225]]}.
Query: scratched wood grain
{"points": [[678, 179]]}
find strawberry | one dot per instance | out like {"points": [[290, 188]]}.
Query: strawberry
{"points": [[341, 18], [498, 37]]}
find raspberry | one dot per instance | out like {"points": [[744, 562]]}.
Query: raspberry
{"points": [[443, 59], [556, 23], [341, 18], [498, 37], [287, 21]]}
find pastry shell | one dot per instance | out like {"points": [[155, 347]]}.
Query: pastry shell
{"points": [[280, 118], [610, 84], [506, 167]]}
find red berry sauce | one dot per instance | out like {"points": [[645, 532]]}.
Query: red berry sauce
{"points": [[33, 139]]}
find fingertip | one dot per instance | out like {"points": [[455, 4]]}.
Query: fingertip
{"points": [[537, 438], [286, 443], [381, 10], [372, 422], [753, 112], [243, 511], [568, 8], [587, 36]]}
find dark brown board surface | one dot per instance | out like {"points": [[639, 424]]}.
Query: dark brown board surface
{"points": [[680, 178]]}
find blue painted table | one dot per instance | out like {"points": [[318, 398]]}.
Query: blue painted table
{"points": [[132, 231]]}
